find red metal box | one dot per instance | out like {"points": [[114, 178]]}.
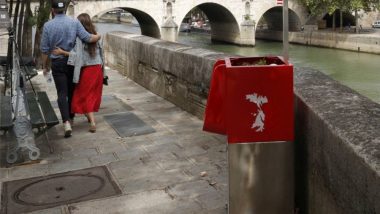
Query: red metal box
{"points": [[251, 100]]}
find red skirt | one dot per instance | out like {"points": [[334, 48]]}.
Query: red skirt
{"points": [[88, 92]]}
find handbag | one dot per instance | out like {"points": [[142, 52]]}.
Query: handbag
{"points": [[105, 80]]}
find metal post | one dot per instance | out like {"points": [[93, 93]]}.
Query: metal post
{"points": [[285, 31]]}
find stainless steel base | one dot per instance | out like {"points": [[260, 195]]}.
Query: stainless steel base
{"points": [[261, 178]]}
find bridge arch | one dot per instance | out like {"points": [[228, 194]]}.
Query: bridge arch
{"points": [[148, 25], [147, 12], [272, 20], [223, 23]]}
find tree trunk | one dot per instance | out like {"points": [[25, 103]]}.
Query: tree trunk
{"points": [[20, 24], [36, 48], [356, 21], [27, 31], [10, 8], [43, 16], [341, 21], [16, 15], [334, 20]]}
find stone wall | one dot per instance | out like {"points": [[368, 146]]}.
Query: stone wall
{"points": [[338, 146], [354, 42], [337, 130], [174, 71]]}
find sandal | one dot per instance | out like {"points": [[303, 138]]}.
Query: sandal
{"points": [[92, 128]]}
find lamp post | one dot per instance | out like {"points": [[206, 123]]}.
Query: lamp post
{"points": [[285, 30]]}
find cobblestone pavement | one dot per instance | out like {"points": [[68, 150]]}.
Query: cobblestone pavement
{"points": [[177, 169]]}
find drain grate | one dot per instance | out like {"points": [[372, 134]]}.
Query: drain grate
{"points": [[127, 124], [65, 188]]}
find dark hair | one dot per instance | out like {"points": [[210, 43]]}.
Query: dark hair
{"points": [[85, 20]]}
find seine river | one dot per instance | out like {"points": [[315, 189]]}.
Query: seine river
{"points": [[359, 71]]}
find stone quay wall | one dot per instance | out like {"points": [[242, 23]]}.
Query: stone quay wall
{"points": [[337, 130], [368, 43]]}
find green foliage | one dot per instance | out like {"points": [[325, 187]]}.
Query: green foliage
{"points": [[32, 20], [43, 14], [317, 7]]}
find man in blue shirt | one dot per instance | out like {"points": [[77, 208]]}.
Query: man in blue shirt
{"points": [[62, 32]]}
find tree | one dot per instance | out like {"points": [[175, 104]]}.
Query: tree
{"points": [[10, 8], [343, 6], [41, 18], [317, 7], [16, 14], [20, 24], [27, 30], [365, 5]]}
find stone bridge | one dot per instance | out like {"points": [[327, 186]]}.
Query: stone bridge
{"points": [[232, 21]]}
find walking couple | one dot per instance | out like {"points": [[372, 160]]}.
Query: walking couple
{"points": [[76, 62]]}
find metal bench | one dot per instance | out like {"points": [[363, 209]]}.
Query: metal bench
{"points": [[29, 67], [5, 113], [42, 114], [23, 111], [26, 63]]}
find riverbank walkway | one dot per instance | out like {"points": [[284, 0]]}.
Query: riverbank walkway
{"points": [[174, 168]]}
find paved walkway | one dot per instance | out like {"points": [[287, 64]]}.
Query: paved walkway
{"points": [[177, 169]]}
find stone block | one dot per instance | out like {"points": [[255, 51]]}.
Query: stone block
{"points": [[154, 181], [156, 201], [126, 171], [102, 159], [132, 156], [171, 164], [3, 173], [213, 201], [190, 190], [28, 171], [111, 147], [68, 165], [55, 210], [89, 152]]}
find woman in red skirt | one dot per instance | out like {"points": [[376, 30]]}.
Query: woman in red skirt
{"points": [[88, 74]]}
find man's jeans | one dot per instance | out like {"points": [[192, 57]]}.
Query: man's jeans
{"points": [[63, 78]]}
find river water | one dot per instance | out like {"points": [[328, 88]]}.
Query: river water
{"points": [[359, 71]]}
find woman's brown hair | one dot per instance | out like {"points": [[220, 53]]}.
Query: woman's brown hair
{"points": [[85, 19]]}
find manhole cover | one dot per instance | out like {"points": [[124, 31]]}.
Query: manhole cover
{"points": [[127, 124], [49, 191]]}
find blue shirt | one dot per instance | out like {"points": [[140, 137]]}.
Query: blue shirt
{"points": [[62, 32]]}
